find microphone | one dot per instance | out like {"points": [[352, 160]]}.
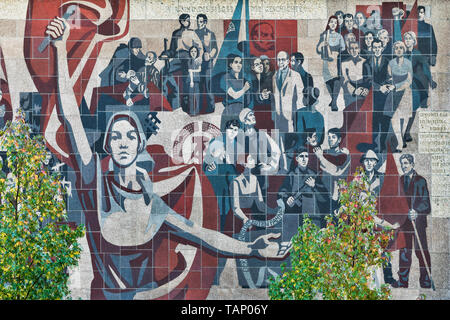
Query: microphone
{"points": [[69, 12]]}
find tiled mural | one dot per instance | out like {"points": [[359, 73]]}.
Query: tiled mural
{"points": [[194, 137]]}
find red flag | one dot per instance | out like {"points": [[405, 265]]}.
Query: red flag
{"points": [[357, 129], [411, 21], [202, 272], [93, 23]]}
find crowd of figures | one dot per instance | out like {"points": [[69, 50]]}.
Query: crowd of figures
{"points": [[274, 161], [246, 166]]}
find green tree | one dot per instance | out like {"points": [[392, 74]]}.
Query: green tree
{"points": [[338, 261], [36, 244]]}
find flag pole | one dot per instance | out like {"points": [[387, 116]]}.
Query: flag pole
{"points": [[423, 255]]}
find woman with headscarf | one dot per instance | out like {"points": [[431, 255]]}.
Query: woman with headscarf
{"points": [[125, 218]]}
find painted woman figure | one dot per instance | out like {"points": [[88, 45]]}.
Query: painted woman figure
{"points": [[400, 100], [125, 219], [193, 81], [220, 174], [360, 21], [236, 88], [246, 192], [331, 43], [422, 78]]}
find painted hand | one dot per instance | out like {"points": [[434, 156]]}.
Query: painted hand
{"points": [[311, 182], [318, 151], [290, 201], [58, 30], [412, 215], [270, 249]]}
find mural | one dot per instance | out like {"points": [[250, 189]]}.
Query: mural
{"points": [[197, 159]]}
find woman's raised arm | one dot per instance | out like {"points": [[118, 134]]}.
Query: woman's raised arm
{"points": [[67, 108]]}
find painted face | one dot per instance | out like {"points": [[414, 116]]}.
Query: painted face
{"points": [[421, 14], [350, 38], [333, 140], [406, 166], [193, 52], [368, 40], [250, 118], [258, 66], [302, 159], [266, 36], [149, 59], [135, 51], [201, 23], [377, 48], [354, 49], [313, 140], [232, 132], [218, 153], [124, 143], [266, 64], [340, 19], [333, 24], [369, 164], [384, 37], [236, 65], [282, 60], [360, 19], [251, 163], [399, 50], [186, 23], [266, 32], [348, 21], [48, 157], [293, 62], [409, 41]]}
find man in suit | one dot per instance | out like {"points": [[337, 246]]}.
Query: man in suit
{"points": [[426, 40], [416, 192], [383, 35], [287, 85], [375, 73], [297, 60], [287, 98]]}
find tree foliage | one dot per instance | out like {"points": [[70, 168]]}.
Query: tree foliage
{"points": [[338, 261], [36, 244]]}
